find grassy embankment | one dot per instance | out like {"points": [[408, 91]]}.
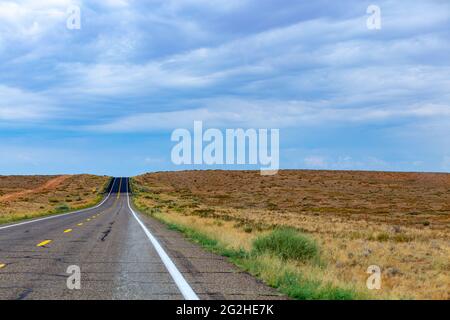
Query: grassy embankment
{"points": [[329, 227]]}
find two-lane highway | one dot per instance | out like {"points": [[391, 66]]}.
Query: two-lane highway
{"points": [[107, 243], [118, 255]]}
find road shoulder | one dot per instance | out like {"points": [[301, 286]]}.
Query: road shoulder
{"points": [[210, 275]]}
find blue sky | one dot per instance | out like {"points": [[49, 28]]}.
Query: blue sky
{"points": [[104, 99]]}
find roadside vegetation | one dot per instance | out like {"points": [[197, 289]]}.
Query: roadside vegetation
{"points": [[286, 244], [313, 234], [24, 197]]}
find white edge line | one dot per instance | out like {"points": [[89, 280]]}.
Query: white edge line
{"points": [[180, 281], [61, 215]]}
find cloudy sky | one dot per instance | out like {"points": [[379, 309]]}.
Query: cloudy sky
{"points": [[105, 98]]}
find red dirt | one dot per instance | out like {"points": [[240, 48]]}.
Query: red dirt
{"points": [[49, 185]]}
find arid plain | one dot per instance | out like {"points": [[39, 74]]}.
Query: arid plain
{"points": [[397, 221]]}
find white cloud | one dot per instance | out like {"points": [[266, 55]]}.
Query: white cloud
{"points": [[113, 3], [216, 5], [336, 56], [232, 113], [20, 106], [364, 78], [157, 65], [120, 79], [28, 19]]}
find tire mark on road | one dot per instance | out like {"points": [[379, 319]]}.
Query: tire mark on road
{"points": [[24, 294], [107, 232]]}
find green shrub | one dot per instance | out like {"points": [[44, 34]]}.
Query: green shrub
{"points": [[272, 206], [300, 288], [287, 243], [382, 237], [62, 208], [402, 238], [153, 211]]}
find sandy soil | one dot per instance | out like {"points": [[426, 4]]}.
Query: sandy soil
{"points": [[30, 196]]}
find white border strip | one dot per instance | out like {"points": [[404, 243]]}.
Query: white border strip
{"points": [[61, 215], [180, 281]]}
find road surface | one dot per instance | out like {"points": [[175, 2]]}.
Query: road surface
{"points": [[121, 254]]}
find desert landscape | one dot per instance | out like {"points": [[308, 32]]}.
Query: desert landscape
{"points": [[309, 234], [23, 197], [345, 221]]}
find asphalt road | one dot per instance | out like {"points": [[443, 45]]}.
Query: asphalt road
{"points": [[121, 254]]}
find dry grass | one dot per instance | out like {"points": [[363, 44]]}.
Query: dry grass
{"points": [[24, 197], [398, 221]]}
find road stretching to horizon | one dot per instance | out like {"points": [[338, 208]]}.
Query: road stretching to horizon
{"points": [[121, 254]]}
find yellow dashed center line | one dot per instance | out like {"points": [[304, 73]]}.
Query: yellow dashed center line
{"points": [[2, 265], [80, 224], [88, 219], [68, 230], [120, 185], [43, 243]]}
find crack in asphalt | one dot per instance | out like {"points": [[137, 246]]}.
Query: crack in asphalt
{"points": [[108, 231]]}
